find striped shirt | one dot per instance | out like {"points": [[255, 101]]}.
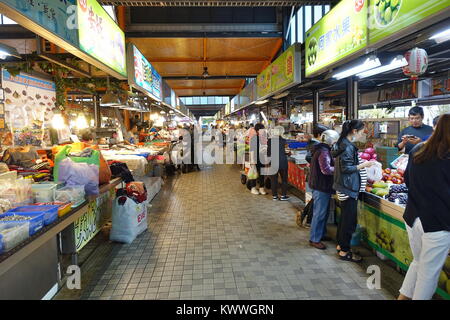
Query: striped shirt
{"points": [[363, 175]]}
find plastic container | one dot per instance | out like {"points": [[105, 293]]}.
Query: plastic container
{"points": [[12, 235], [36, 223], [44, 192], [50, 212], [73, 194], [296, 144]]}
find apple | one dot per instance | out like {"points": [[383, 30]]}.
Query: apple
{"points": [[387, 170]]}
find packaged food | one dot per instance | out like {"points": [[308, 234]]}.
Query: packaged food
{"points": [[12, 235], [73, 194], [401, 162]]}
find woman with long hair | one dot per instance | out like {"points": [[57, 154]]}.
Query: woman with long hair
{"points": [[350, 178], [427, 213]]}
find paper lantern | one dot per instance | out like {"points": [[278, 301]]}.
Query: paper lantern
{"points": [[417, 63]]}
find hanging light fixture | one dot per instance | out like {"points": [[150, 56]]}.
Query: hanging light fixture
{"points": [[205, 72], [109, 99]]}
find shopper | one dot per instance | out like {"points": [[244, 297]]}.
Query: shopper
{"points": [[255, 146], [321, 183], [416, 132], [314, 140], [350, 178], [276, 148], [427, 213]]}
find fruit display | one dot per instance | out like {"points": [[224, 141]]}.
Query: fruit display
{"points": [[386, 11], [368, 154], [444, 277], [384, 241], [400, 198], [398, 188], [393, 175]]}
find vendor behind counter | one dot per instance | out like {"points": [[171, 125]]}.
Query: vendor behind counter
{"points": [[414, 134]]}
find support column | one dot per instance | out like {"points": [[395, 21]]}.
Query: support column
{"points": [[352, 98], [97, 113], [316, 106]]}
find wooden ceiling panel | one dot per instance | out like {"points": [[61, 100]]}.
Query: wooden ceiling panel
{"points": [[153, 48], [250, 48], [228, 83]]}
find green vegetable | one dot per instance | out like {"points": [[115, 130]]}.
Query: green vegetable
{"points": [[394, 4]]}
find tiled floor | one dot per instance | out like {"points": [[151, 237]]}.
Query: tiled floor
{"points": [[209, 238]]}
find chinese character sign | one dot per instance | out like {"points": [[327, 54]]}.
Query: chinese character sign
{"points": [[100, 36], [340, 33]]}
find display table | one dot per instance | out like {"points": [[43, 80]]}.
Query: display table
{"points": [[384, 230], [32, 270]]}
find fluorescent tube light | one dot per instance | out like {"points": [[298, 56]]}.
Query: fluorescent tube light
{"points": [[445, 33], [396, 63], [369, 63], [261, 102]]}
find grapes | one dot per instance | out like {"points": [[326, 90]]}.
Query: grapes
{"points": [[398, 188]]}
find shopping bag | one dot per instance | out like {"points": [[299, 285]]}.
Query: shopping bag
{"points": [[129, 219], [79, 174], [252, 173], [64, 152]]}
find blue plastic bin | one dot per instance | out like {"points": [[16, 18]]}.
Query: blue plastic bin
{"points": [[50, 212], [296, 144], [36, 222]]}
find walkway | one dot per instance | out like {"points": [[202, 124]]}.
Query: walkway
{"points": [[209, 238]]}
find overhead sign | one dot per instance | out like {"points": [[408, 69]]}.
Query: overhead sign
{"points": [[390, 17], [341, 33], [142, 74], [282, 74], [100, 36], [247, 95], [50, 14]]}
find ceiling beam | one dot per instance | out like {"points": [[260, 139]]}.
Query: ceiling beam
{"points": [[210, 3], [209, 78], [200, 34], [208, 88], [192, 60]]}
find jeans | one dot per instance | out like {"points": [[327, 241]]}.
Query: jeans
{"points": [[274, 182], [347, 224], [320, 215], [430, 250]]}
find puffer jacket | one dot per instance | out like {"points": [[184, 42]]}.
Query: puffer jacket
{"points": [[347, 179], [322, 169]]}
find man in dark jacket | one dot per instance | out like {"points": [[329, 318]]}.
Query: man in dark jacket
{"points": [[321, 183]]}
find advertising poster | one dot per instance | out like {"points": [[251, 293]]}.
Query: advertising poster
{"points": [[263, 82], [390, 17], [339, 34], [29, 104], [100, 36], [144, 76], [50, 14]]}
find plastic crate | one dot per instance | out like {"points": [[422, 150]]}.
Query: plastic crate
{"points": [[73, 194], [297, 144], [12, 235], [36, 223], [44, 192], [50, 212]]}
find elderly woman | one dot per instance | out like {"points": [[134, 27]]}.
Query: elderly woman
{"points": [[321, 183]]}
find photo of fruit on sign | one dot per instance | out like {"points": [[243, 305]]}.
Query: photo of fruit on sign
{"points": [[386, 11]]}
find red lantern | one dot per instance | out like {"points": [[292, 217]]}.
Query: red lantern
{"points": [[417, 63]]}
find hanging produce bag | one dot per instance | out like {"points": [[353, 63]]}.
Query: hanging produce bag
{"points": [[65, 152], [252, 173], [129, 219]]}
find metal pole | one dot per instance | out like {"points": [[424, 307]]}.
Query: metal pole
{"points": [[97, 113], [315, 107], [352, 98]]}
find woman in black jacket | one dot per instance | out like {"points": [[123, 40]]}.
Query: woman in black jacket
{"points": [[349, 180], [427, 213]]}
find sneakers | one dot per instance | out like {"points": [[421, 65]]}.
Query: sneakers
{"points": [[254, 191], [275, 198], [262, 191], [284, 198]]}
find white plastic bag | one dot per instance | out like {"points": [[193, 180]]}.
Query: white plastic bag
{"points": [[252, 173], [375, 172], [128, 219]]}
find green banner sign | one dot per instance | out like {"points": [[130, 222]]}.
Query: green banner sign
{"points": [[388, 17], [100, 36], [339, 34], [283, 73]]}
